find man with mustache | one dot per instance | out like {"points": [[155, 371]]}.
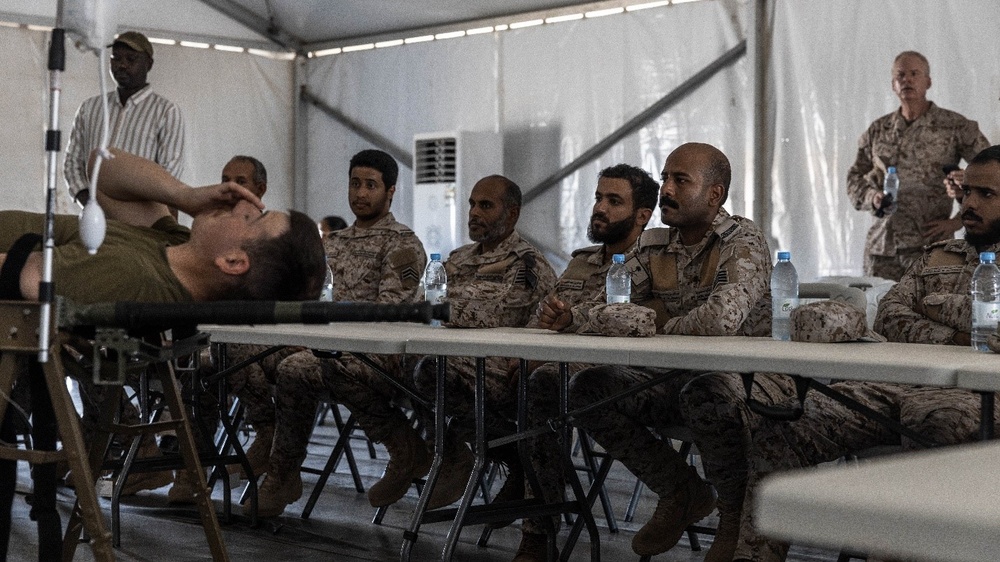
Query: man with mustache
{"points": [[709, 276], [496, 281], [376, 259], [623, 204], [919, 139], [931, 304], [143, 122]]}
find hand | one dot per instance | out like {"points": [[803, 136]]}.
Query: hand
{"points": [[877, 201], [953, 184], [554, 314], [941, 229], [225, 195]]}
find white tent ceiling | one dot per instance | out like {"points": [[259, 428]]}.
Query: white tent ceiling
{"points": [[309, 24]]}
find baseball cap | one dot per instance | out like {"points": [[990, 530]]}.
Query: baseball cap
{"points": [[831, 321], [135, 41]]}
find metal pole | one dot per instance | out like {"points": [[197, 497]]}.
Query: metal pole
{"points": [[640, 120], [57, 63]]}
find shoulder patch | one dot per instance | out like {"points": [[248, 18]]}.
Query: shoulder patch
{"points": [[587, 250], [727, 229], [942, 256], [659, 236]]}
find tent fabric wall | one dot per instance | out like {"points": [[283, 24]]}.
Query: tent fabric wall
{"points": [[551, 91], [233, 103]]}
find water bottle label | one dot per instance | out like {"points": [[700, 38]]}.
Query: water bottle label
{"points": [[435, 296], [783, 307], [985, 314], [618, 298]]}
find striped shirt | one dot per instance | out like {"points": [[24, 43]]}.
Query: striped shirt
{"points": [[148, 125]]}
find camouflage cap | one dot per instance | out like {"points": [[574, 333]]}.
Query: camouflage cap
{"points": [[621, 320], [831, 321]]}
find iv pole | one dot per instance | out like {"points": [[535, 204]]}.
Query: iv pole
{"points": [[53, 141]]}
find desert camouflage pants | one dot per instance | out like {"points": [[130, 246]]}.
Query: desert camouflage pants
{"points": [[304, 379], [254, 383], [460, 394], [544, 451], [829, 430]]}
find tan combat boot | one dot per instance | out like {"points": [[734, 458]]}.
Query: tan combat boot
{"points": [[279, 490], [184, 488], [533, 548], [726, 536], [408, 459], [456, 466], [258, 454], [689, 503]]}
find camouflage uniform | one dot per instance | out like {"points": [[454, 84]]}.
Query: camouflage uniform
{"points": [[499, 288], [718, 287], [581, 287], [918, 150], [381, 264], [829, 430]]}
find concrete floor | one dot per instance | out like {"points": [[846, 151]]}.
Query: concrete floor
{"points": [[340, 527]]}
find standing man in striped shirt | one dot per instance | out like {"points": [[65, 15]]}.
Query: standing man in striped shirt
{"points": [[141, 121]]}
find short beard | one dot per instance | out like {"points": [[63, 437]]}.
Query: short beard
{"points": [[493, 232], [616, 231], [988, 238]]}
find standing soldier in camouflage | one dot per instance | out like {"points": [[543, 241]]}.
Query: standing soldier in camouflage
{"points": [[374, 260], [623, 204], [931, 304], [495, 282], [920, 139], [709, 275]]}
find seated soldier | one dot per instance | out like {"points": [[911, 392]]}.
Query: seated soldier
{"points": [[709, 275], [495, 281], [930, 304]]}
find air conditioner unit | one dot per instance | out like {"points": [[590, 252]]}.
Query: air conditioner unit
{"points": [[445, 167]]}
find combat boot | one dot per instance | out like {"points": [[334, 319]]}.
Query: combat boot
{"points": [[688, 503], [456, 466], [726, 536], [278, 491], [258, 454], [513, 484], [184, 488], [533, 548], [408, 459]]}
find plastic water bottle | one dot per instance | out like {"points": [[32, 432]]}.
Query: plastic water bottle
{"points": [[435, 283], [985, 300], [890, 192], [784, 296], [618, 284], [327, 294]]}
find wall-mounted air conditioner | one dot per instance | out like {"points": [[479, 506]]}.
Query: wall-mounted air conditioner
{"points": [[446, 166]]}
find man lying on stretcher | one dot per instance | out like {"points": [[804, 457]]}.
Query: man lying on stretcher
{"points": [[233, 250]]}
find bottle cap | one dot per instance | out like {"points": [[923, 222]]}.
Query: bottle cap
{"points": [[784, 255], [618, 258], [892, 169], [435, 257], [987, 257]]}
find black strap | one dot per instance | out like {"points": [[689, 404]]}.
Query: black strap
{"points": [[10, 273]]}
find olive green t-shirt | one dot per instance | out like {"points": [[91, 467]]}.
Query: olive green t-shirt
{"points": [[131, 264]]}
